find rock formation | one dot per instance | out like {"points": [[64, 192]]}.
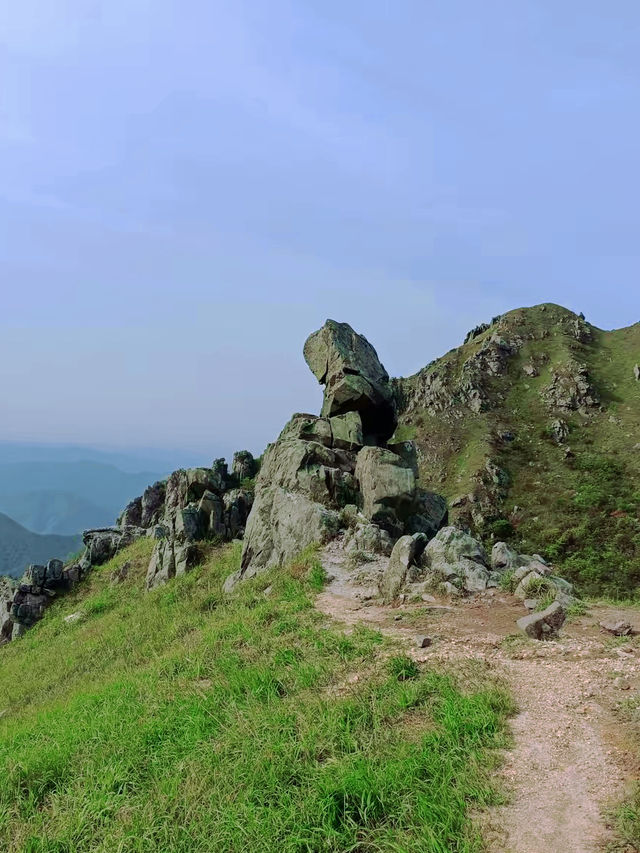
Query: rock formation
{"points": [[336, 470], [456, 563]]}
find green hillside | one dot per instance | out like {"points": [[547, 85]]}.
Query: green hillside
{"points": [[19, 547], [531, 429], [176, 721]]}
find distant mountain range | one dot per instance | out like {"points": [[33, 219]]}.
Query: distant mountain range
{"points": [[49, 494], [19, 547], [66, 497]]}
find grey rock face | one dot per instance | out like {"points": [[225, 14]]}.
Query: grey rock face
{"points": [[387, 486], [244, 466], [571, 389], [503, 557], [405, 552], [545, 624], [104, 543], [152, 504], [368, 537], [281, 524], [354, 379]]}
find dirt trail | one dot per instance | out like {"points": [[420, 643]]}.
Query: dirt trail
{"points": [[571, 757]]}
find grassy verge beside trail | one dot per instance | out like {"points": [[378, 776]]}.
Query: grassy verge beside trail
{"points": [[181, 722]]}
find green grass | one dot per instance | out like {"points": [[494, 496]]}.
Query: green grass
{"points": [[580, 510], [181, 721]]}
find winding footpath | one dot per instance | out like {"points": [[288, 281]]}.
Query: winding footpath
{"points": [[573, 753]]}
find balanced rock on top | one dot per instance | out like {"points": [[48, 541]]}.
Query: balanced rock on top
{"points": [[354, 379]]}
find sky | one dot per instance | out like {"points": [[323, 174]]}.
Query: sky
{"points": [[188, 189]]}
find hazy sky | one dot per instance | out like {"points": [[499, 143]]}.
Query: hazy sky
{"points": [[189, 188]]}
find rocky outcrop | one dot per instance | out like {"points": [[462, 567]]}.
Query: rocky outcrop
{"points": [[103, 543], [244, 466], [201, 504], [454, 562], [571, 389], [37, 589], [354, 379], [331, 472]]}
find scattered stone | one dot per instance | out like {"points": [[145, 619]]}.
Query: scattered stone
{"points": [[545, 624], [531, 603], [73, 617], [621, 683], [618, 628], [424, 642]]}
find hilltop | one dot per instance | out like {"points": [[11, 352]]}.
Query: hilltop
{"points": [[530, 429]]}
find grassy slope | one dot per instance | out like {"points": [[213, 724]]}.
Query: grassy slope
{"points": [[178, 721], [564, 505]]}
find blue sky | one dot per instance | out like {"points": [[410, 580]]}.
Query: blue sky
{"points": [[188, 189]]}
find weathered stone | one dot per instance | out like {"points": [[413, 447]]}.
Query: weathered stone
{"points": [[503, 557], [132, 514], [152, 504], [346, 431], [545, 624], [366, 536], [387, 486], [104, 543], [429, 514], [282, 524], [308, 428], [28, 606], [354, 379], [617, 627], [424, 642], [187, 486], [244, 466], [526, 585], [406, 550], [456, 556]]}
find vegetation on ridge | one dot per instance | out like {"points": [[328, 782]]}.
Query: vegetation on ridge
{"points": [[574, 498]]}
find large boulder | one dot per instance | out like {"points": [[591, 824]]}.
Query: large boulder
{"points": [[405, 552], [170, 558], [320, 473], [282, 524], [456, 557], [354, 379], [387, 486], [103, 543], [244, 466]]}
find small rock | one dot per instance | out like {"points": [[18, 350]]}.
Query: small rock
{"points": [[73, 617], [430, 599], [424, 642], [621, 684], [618, 628], [531, 603]]}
